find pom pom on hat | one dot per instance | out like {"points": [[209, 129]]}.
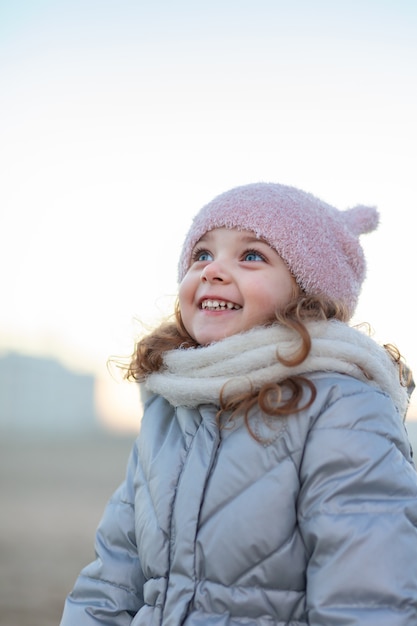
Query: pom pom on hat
{"points": [[319, 243], [361, 219]]}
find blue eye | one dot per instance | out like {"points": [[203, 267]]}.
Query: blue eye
{"points": [[252, 255], [202, 255]]}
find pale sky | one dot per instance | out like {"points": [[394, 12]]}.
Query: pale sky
{"points": [[119, 120]]}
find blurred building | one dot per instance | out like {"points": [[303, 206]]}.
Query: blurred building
{"points": [[40, 396]]}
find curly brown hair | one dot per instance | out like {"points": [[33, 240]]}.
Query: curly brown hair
{"points": [[170, 335]]}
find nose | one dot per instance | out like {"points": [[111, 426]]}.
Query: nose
{"points": [[214, 272]]}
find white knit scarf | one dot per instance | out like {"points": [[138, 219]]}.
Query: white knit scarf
{"points": [[195, 376]]}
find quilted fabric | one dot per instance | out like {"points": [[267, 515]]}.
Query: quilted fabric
{"points": [[315, 526]]}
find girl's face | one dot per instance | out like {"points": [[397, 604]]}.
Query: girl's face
{"points": [[235, 282]]}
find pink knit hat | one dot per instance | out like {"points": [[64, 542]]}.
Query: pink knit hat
{"points": [[319, 243]]}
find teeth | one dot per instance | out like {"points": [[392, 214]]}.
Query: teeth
{"points": [[218, 305]]}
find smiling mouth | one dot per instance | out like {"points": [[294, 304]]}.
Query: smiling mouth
{"points": [[219, 305]]}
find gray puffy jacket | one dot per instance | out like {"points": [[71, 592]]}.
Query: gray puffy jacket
{"points": [[315, 526]]}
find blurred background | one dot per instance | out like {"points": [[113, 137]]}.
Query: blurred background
{"points": [[118, 121]]}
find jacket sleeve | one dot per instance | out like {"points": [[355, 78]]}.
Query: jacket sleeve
{"points": [[358, 515], [110, 589]]}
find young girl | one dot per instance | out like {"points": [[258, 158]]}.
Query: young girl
{"points": [[272, 481]]}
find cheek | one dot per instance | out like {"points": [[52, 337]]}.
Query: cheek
{"points": [[290, 290], [187, 309], [286, 284], [283, 292], [186, 292]]}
